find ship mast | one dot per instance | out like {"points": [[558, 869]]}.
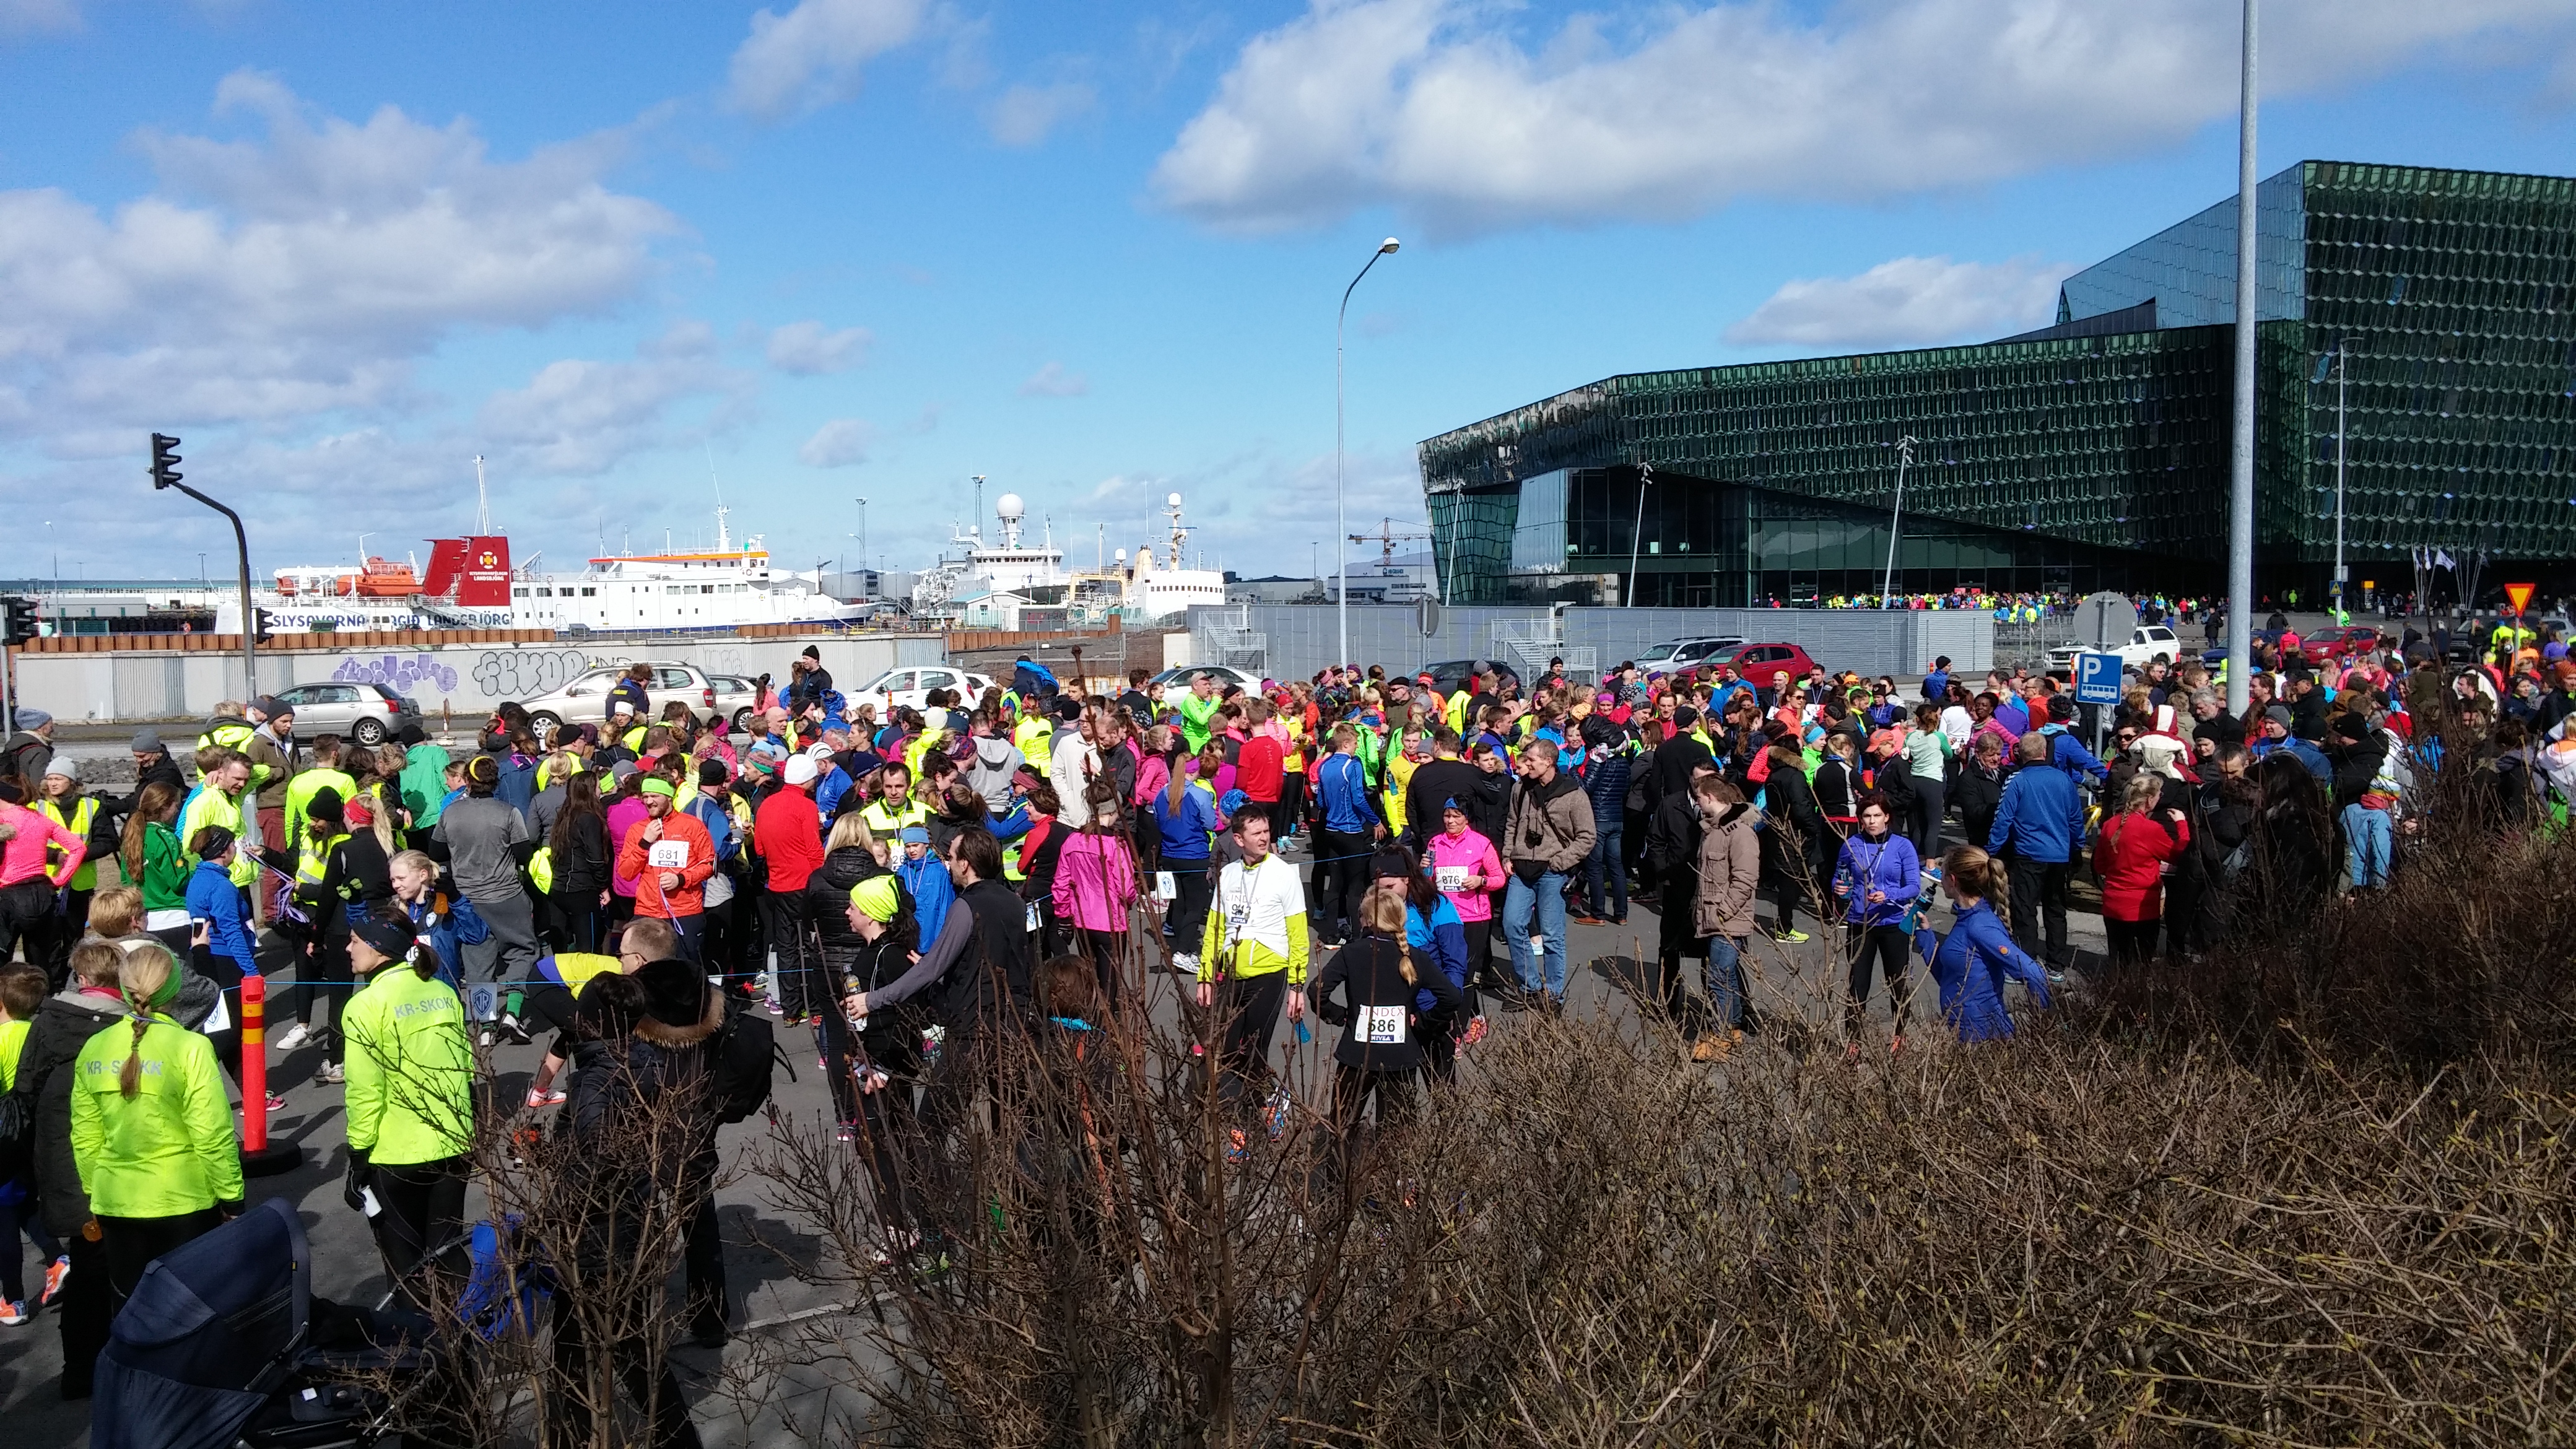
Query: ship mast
{"points": [[482, 501]]}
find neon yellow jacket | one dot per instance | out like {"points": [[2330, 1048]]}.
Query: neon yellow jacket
{"points": [[306, 784], [1196, 717], [210, 806], [1257, 923], [166, 1151], [411, 1069]]}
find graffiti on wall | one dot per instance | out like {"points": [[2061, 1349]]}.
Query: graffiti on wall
{"points": [[397, 673], [527, 673]]}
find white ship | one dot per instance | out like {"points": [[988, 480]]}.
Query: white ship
{"points": [[982, 586], [1155, 593], [720, 588]]}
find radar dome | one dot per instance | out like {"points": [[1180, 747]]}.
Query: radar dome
{"points": [[1172, 502], [1010, 509]]}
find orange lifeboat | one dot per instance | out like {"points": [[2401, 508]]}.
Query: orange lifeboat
{"points": [[381, 579]]}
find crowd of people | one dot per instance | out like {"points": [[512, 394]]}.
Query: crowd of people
{"points": [[933, 889]]}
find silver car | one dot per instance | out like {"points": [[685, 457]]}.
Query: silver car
{"points": [[367, 713], [584, 698]]}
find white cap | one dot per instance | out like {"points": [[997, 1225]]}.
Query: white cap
{"points": [[818, 752], [801, 770]]}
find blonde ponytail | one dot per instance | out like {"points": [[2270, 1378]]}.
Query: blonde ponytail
{"points": [[141, 979]]}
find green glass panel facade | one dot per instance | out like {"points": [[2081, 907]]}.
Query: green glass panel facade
{"points": [[2083, 451]]}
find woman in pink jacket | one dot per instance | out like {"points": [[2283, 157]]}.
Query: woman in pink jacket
{"points": [[1095, 883], [1467, 869]]}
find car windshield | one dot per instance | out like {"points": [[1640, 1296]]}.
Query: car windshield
{"points": [[883, 681]]}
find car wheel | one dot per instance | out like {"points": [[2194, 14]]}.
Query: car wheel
{"points": [[370, 732], [742, 721], [2167, 658], [545, 723]]}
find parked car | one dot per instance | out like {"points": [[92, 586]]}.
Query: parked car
{"points": [[1450, 674], [736, 698], [1681, 654], [1176, 680], [2147, 644], [911, 684], [2216, 654], [1758, 662], [584, 698], [367, 713], [2329, 644]]}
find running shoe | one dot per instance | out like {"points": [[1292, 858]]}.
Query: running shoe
{"points": [[55, 1273], [1235, 1144], [542, 1097], [512, 1032], [13, 1314], [848, 1132], [1792, 937], [293, 1037], [776, 1006], [2056, 977], [1475, 1032], [331, 1074], [276, 1104]]}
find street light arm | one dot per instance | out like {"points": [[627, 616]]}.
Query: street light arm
{"points": [[1341, 520], [249, 620]]}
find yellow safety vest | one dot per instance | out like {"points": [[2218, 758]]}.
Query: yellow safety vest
{"points": [[313, 861], [886, 824], [83, 816], [1035, 737]]}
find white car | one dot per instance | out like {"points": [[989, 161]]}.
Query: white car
{"points": [[1681, 654], [911, 685], [1176, 681], [2147, 644]]}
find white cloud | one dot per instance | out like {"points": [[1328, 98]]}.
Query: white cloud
{"points": [[1437, 107], [840, 443], [1023, 115], [578, 416], [806, 350], [1910, 301], [1053, 380], [275, 279], [811, 56]]}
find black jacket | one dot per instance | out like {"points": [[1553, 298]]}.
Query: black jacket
{"points": [[581, 864], [63, 1025], [1672, 762], [1369, 973], [1672, 843], [2356, 764], [618, 1089], [1795, 826], [994, 985], [1490, 806], [827, 901]]}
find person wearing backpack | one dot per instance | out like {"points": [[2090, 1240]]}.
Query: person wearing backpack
{"points": [[1369, 989], [669, 1061]]}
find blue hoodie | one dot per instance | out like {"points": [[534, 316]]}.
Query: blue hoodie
{"points": [[932, 891], [2040, 818], [214, 899], [1969, 966], [1444, 939], [1891, 866], [2067, 753]]}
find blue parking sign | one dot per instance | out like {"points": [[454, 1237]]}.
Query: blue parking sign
{"points": [[2097, 678]]}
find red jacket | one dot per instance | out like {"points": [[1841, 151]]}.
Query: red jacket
{"points": [[2130, 858], [636, 860], [1259, 770], [788, 833]]}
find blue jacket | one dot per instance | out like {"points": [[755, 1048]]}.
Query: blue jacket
{"points": [[461, 926], [932, 891], [1889, 865], [214, 899], [2067, 753], [828, 790], [1341, 784], [2041, 817], [1607, 783], [1969, 966], [1443, 940], [2299, 750], [1187, 830], [719, 824], [518, 784]]}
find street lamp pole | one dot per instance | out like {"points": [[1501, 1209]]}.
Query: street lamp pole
{"points": [[1896, 516], [2342, 345], [2240, 462], [1645, 476], [1341, 515]]}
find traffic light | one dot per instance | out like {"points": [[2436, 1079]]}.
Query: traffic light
{"points": [[261, 623], [165, 460], [17, 619]]}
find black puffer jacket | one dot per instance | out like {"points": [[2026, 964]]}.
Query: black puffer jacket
{"points": [[63, 1025], [827, 900]]}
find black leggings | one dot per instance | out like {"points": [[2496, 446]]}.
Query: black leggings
{"points": [[1884, 946], [1108, 953], [132, 1243], [26, 1216], [1191, 892], [423, 1206], [1249, 1008], [324, 972]]}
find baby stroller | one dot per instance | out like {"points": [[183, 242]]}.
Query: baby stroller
{"points": [[223, 1344]]}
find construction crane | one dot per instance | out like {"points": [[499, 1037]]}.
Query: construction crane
{"points": [[1385, 538]]}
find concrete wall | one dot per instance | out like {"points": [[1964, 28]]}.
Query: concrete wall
{"points": [[139, 685], [1302, 638]]}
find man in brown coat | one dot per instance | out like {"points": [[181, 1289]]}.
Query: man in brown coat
{"points": [[1547, 833], [1730, 873]]}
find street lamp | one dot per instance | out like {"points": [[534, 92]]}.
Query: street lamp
{"points": [[1341, 520], [1896, 516], [2342, 345], [2240, 459], [1645, 476], [863, 533]]}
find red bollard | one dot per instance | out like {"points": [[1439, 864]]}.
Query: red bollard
{"points": [[260, 1157]]}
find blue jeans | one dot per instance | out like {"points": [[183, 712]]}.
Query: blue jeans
{"points": [[1605, 861], [1547, 899], [1726, 979], [2366, 835]]}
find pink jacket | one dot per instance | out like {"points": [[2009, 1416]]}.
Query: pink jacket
{"points": [[622, 818], [23, 858], [1475, 855], [1095, 881]]}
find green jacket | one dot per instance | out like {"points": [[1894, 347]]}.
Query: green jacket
{"points": [[166, 869], [1196, 713], [424, 783], [167, 1150], [411, 1070], [303, 787]]}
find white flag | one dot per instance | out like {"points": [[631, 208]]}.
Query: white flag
{"points": [[2442, 560]]}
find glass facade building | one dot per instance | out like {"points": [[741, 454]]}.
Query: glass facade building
{"points": [[2092, 452]]}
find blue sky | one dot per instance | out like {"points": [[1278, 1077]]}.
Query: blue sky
{"points": [[871, 247]]}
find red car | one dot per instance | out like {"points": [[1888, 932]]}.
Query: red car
{"points": [[1756, 663], [2338, 643]]}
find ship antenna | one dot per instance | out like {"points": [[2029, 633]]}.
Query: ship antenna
{"points": [[482, 501], [724, 540]]}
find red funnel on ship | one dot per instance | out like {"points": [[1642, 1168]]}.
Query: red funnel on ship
{"points": [[475, 570]]}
